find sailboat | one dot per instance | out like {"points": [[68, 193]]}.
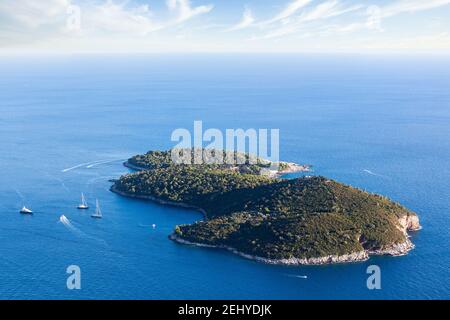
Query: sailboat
{"points": [[83, 205], [25, 210], [98, 212]]}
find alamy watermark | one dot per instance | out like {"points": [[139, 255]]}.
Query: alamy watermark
{"points": [[74, 280], [73, 22], [239, 146], [374, 280]]}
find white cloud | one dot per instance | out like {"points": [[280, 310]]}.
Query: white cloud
{"points": [[324, 10], [375, 14], [132, 26], [116, 18], [333, 8], [247, 20], [403, 6], [33, 21], [185, 11], [48, 18], [289, 10], [31, 14], [327, 10]]}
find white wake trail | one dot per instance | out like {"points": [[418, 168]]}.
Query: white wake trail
{"points": [[66, 222], [92, 164], [374, 174], [103, 162], [19, 194], [153, 226], [81, 165], [297, 276]]}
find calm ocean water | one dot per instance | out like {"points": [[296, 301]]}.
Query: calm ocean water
{"points": [[66, 123]]}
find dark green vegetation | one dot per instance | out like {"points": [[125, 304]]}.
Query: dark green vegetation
{"points": [[189, 184], [163, 159], [152, 160], [300, 218], [271, 218]]}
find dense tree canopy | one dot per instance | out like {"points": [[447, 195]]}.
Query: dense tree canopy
{"points": [[272, 218]]}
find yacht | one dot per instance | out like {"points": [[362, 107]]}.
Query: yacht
{"points": [[25, 210], [98, 212], [83, 205]]}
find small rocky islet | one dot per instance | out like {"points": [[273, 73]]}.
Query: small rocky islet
{"points": [[251, 211]]}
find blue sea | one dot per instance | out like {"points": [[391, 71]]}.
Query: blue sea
{"points": [[381, 123]]}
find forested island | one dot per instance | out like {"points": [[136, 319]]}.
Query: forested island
{"points": [[309, 220]]}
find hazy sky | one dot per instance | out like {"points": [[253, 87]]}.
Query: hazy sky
{"points": [[121, 26]]}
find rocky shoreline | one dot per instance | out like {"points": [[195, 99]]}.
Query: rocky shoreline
{"points": [[290, 168], [396, 250], [349, 258], [399, 249], [406, 224], [364, 255], [132, 166]]}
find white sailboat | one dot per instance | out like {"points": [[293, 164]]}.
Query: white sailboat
{"points": [[25, 210], [98, 212], [83, 205]]}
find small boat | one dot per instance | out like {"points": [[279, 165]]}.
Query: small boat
{"points": [[83, 205], [25, 210], [98, 212]]}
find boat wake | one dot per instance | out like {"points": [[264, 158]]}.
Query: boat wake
{"points": [[153, 226], [297, 276], [374, 174], [78, 166], [19, 194], [66, 222], [104, 162], [91, 164]]}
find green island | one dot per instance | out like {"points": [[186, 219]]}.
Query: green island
{"points": [[252, 212]]}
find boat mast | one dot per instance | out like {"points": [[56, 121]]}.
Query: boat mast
{"points": [[97, 209]]}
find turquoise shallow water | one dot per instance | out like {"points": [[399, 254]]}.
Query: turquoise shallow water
{"points": [[379, 123]]}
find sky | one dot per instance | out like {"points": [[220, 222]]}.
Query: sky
{"points": [[225, 26]]}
